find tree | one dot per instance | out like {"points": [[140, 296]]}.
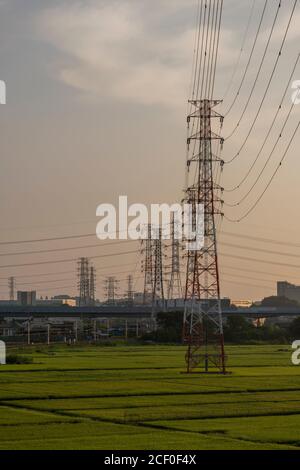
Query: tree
{"points": [[238, 329], [278, 301], [295, 329]]}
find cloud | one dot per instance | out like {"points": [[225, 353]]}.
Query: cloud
{"points": [[125, 50]]}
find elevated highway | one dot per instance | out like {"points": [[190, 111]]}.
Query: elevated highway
{"points": [[41, 311]]}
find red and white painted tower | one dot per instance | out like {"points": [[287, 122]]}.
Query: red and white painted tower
{"points": [[203, 328]]}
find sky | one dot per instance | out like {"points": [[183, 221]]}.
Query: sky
{"points": [[96, 107]]}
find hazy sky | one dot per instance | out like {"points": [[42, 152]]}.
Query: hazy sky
{"points": [[96, 108]]}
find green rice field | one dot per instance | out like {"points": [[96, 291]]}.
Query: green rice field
{"points": [[138, 397]]}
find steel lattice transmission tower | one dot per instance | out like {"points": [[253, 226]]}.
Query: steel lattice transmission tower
{"points": [[175, 286], [111, 286], [203, 328], [92, 285], [130, 293], [158, 296], [11, 286], [83, 281], [147, 266]]}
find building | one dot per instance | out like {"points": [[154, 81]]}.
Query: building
{"points": [[290, 291], [26, 297], [58, 300], [242, 303]]}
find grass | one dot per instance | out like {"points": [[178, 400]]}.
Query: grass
{"points": [[125, 397]]}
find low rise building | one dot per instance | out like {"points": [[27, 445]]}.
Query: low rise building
{"points": [[26, 297], [242, 303], [288, 290]]}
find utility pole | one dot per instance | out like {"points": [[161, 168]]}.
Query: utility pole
{"points": [[95, 331], [11, 286], [48, 333], [76, 330], [175, 286], [28, 332]]}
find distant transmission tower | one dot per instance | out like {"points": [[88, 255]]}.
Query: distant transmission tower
{"points": [[111, 286], [203, 329], [11, 286], [175, 286], [83, 281], [92, 285], [147, 266], [158, 297], [130, 293]]}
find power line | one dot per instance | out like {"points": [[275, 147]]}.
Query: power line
{"points": [[260, 250], [50, 289], [258, 73], [55, 288], [81, 247], [115, 273], [259, 260], [261, 239], [256, 271], [246, 284], [68, 237], [247, 277], [268, 133], [267, 88], [206, 56], [40, 240], [67, 272], [33, 283], [39, 275], [30, 227], [249, 60], [123, 279], [269, 183], [196, 47], [140, 277], [66, 260], [44, 282], [236, 204], [267, 240], [245, 36], [205, 50], [215, 52]]}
